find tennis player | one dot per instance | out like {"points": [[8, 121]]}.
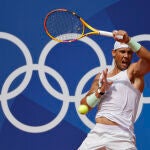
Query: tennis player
{"points": [[117, 93]]}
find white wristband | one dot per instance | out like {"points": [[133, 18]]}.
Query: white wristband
{"points": [[135, 46], [92, 100]]}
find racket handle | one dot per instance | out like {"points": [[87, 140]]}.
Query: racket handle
{"points": [[105, 33]]}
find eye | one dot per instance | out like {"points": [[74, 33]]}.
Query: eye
{"points": [[122, 51], [130, 52]]}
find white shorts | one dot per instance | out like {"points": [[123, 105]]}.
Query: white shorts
{"points": [[108, 137]]}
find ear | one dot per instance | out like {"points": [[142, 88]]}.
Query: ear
{"points": [[113, 53]]}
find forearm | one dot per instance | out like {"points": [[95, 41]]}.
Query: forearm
{"points": [[143, 53], [89, 102], [92, 98], [94, 95], [142, 66]]}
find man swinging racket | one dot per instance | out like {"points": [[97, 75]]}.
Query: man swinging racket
{"points": [[117, 94]]}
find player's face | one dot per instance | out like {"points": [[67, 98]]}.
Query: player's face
{"points": [[122, 57]]}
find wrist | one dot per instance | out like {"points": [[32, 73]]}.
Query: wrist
{"points": [[128, 40], [100, 92], [92, 100], [135, 46]]}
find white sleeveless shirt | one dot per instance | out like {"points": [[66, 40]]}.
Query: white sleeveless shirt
{"points": [[120, 102]]}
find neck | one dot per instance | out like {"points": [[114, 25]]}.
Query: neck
{"points": [[114, 72]]}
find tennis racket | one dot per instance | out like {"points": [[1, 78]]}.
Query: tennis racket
{"points": [[65, 26]]}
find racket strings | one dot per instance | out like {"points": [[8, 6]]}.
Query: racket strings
{"points": [[64, 25]]}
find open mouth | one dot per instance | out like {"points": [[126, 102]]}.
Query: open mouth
{"points": [[125, 63]]}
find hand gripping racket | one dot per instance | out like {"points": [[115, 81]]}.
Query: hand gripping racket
{"points": [[65, 26]]}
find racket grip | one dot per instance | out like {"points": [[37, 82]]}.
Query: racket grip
{"points": [[105, 33]]}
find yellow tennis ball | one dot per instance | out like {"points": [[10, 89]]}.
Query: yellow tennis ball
{"points": [[83, 109]]}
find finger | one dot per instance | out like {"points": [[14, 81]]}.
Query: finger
{"points": [[114, 32], [105, 74], [101, 76], [110, 82], [106, 71]]}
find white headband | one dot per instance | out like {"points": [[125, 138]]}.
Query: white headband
{"points": [[118, 45]]}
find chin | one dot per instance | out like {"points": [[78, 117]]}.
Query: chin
{"points": [[124, 68]]}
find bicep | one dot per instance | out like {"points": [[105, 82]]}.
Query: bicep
{"points": [[93, 88], [139, 68], [142, 67]]}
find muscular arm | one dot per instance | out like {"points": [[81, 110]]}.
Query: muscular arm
{"points": [[143, 53], [137, 70], [93, 88], [142, 66]]}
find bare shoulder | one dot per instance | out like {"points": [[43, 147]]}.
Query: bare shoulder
{"points": [[136, 78], [131, 71]]}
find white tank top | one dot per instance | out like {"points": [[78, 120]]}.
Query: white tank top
{"points": [[120, 102]]}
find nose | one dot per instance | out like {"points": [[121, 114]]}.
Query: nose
{"points": [[126, 55]]}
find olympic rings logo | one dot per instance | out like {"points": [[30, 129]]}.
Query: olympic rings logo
{"points": [[42, 69]]}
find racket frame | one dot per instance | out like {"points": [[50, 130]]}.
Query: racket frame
{"points": [[84, 26]]}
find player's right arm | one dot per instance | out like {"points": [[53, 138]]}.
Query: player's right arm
{"points": [[137, 70], [142, 66]]}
